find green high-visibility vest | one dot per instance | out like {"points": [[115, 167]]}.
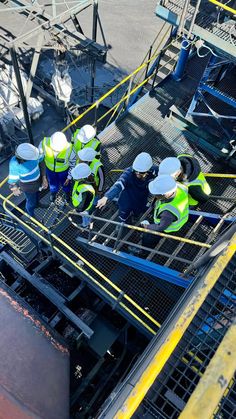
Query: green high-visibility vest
{"points": [[58, 162], [77, 194], [78, 145], [178, 206], [94, 166], [199, 181]]}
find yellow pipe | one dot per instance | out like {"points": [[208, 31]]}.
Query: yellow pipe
{"points": [[92, 267], [101, 99], [3, 182], [223, 6], [215, 380], [220, 175], [164, 352], [169, 236]]}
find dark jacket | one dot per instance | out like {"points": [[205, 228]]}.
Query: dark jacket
{"points": [[132, 192]]}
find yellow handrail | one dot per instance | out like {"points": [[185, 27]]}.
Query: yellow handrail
{"points": [[113, 89], [71, 250], [223, 6], [141, 387]]}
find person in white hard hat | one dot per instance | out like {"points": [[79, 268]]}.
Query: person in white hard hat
{"points": [[86, 137], [88, 155], [59, 159], [171, 209], [186, 169], [131, 188], [27, 174], [83, 193]]}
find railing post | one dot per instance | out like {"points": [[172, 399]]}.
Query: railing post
{"points": [[128, 91], [90, 229], [96, 114], [120, 231], [149, 56]]}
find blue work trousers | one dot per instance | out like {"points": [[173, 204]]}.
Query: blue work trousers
{"points": [[126, 212], [32, 199], [57, 179]]}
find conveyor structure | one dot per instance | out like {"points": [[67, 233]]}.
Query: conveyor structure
{"points": [[150, 303]]}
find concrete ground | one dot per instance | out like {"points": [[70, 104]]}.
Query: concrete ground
{"points": [[130, 26]]}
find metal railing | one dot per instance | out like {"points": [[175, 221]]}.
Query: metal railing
{"points": [[132, 392]]}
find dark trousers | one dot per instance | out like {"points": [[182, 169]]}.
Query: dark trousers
{"points": [[57, 179], [32, 199], [150, 240]]}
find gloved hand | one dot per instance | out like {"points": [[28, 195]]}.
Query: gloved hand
{"points": [[102, 202]]}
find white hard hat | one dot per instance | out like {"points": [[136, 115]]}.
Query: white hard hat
{"points": [[27, 151], [142, 163], [87, 154], [58, 141], [86, 133], [162, 184], [169, 166], [81, 171]]}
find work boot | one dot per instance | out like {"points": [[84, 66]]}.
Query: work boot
{"points": [[52, 197]]}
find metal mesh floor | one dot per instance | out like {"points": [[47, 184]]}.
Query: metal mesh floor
{"points": [[172, 389]]}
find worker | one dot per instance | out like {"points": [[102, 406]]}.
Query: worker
{"points": [[59, 160], [83, 193], [88, 155], [171, 209], [186, 169], [85, 137], [25, 174], [131, 188]]}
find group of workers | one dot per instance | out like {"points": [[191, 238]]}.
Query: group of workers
{"points": [[175, 185]]}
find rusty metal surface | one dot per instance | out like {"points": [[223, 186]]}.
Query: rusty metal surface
{"points": [[34, 366]]}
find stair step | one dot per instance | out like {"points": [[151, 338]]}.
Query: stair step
{"points": [[172, 49], [165, 71], [167, 61]]}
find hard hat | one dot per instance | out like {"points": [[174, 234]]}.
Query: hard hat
{"points": [[169, 166], [162, 184], [142, 163], [87, 154], [81, 171], [58, 141], [27, 151], [86, 133]]}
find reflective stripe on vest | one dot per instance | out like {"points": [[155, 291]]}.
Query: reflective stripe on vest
{"points": [[78, 145], [200, 181], [178, 206], [78, 190], [60, 163], [94, 166]]}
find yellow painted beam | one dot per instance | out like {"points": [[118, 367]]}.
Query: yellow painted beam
{"points": [[214, 382], [164, 352], [223, 6]]}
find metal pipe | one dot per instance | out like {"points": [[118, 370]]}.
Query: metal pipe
{"points": [[21, 93], [94, 38], [193, 18], [183, 16], [182, 60]]}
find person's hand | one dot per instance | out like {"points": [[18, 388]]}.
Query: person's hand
{"points": [[67, 181], [16, 191], [44, 183], [144, 224], [102, 202]]}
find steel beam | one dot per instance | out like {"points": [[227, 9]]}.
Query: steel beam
{"points": [[21, 93], [34, 65]]}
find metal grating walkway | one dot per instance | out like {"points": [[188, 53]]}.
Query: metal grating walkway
{"points": [[180, 375]]}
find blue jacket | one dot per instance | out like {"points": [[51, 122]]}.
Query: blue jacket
{"points": [[132, 192], [25, 172]]}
